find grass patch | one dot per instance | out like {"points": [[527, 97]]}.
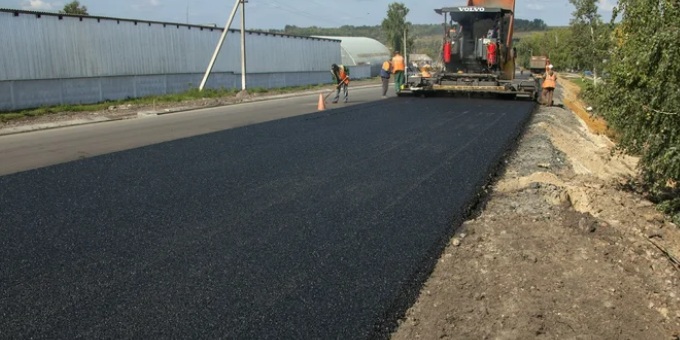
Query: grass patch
{"points": [[10, 116], [525, 34], [192, 94], [581, 83]]}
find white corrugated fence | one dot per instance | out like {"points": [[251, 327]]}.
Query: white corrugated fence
{"points": [[47, 59]]}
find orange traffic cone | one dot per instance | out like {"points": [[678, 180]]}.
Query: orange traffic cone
{"points": [[322, 103]]}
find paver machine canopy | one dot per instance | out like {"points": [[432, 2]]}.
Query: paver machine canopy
{"points": [[468, 31]]}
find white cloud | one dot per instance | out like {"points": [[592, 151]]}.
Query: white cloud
{"points": [[146, 5], [38, 5]]}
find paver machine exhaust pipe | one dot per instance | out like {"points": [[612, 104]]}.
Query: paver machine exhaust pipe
{"points": [[477, 54]]}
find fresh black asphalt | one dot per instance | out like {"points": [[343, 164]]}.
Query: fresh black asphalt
{"points": [[319, 226]]}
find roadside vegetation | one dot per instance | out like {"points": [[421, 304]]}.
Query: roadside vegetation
{"points": [[583, 83], [638, 49], [554, 43], [641, 99], [74, 8]]}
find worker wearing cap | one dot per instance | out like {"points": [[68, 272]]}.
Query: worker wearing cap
{"points": [[549, 84], [398, 67], [341, 77], [385, 73]]}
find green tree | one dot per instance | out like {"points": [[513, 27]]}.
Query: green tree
{"points": [[642, 98], [74, 8], [554, 44], [522, 25], [394, 25], [590, 37]]}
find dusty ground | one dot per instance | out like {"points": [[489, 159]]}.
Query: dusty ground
{"points": [[558, 252], [129, 111], [571, 99]]}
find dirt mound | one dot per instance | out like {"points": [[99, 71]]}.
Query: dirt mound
{"points": [[571, 98], [243, 95]]}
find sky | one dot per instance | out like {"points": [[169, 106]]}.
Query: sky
{"points": [[272, 14]]}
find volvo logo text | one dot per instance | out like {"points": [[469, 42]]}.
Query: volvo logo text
{"points": [[471, 9]]}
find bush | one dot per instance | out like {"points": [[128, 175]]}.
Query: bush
{"points": [[641, 99]]}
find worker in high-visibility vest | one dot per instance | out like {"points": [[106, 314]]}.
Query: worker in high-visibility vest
{"points": [[341, 77], [398, 68], [385, 73], [425, 70], [549, 84]]}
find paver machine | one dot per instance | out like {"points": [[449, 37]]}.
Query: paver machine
{"points": [[466, 66]]}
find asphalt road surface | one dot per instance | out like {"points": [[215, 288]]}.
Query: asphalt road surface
{"points": [[36, 149], [318, 226]]}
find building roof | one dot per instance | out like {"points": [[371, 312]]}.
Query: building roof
{"points": [[361, 50], [38, 14]]}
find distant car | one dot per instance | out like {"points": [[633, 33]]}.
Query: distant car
{"points": [[588, 73]]}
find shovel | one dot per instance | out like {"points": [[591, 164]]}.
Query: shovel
{"points": [[333, 90]]}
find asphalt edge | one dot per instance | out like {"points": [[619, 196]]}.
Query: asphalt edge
{"points": [[132, 117], [389, 322]]}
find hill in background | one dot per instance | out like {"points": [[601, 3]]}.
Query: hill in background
{"points": [[428, 36]]}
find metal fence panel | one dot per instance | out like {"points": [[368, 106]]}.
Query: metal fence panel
{"points": [[45, 46]]}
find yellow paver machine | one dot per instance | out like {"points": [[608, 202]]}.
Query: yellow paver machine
{"points": [[477, 54]]}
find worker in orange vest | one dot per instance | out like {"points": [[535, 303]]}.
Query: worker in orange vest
{"points": [[341, 78], [549, 84], [425, 70], [398, 68]]}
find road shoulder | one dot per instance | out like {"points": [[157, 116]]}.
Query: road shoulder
{"points": [[559, 251], [133, 111]]}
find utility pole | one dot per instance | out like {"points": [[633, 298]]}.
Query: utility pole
{"points": [[243, 45], [219, 44], [405, 54], [187, 13]]}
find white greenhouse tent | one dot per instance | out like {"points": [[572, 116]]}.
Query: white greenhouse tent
{"points": [[359, 51]]}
